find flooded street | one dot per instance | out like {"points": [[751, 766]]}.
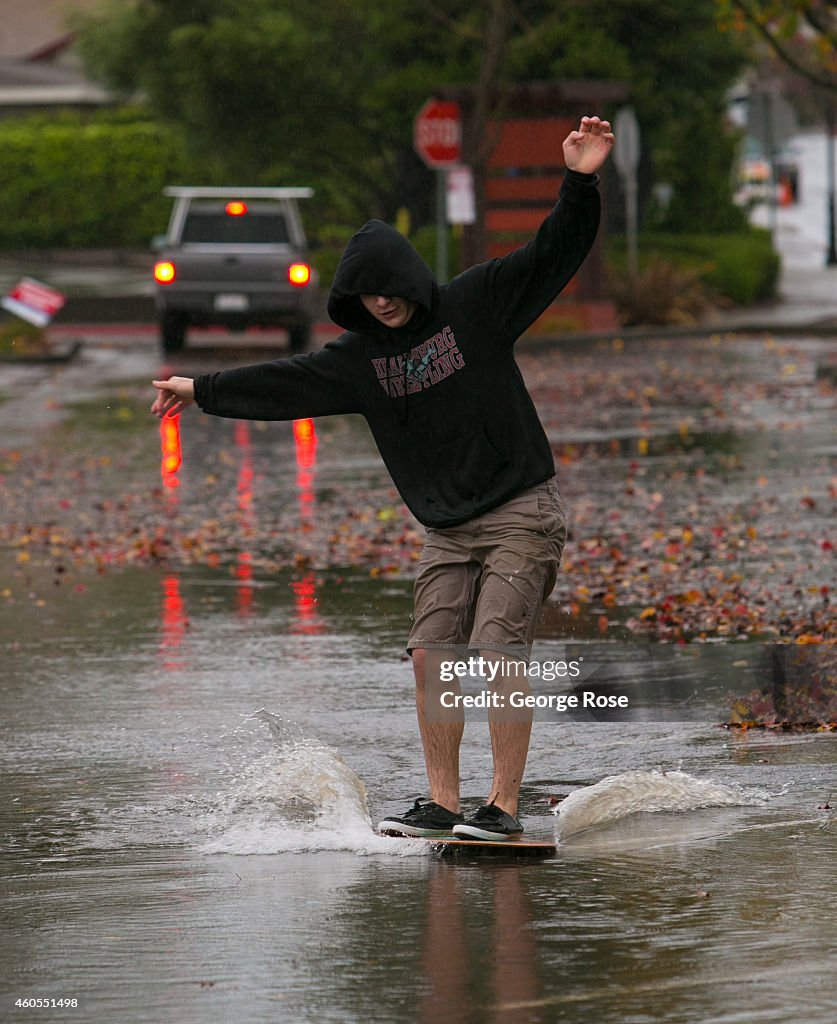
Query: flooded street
{"points": [[207, 707]]}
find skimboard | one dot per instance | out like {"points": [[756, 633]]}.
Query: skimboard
{"points": [[452, 847]]}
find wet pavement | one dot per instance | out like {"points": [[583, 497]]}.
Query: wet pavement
{"points": [[698, 472], [168, 856], [207, 707]]}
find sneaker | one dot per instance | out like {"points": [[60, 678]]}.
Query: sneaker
{"points": [[489, 823], [423, 819]]}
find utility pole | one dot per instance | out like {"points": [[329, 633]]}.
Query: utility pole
{"points": [[626, 153], [831, 259]]}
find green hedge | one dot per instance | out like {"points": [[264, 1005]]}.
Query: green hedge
{"points": [[76, 182], [742, 267]]}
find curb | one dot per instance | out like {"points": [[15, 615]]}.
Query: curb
{"points": [[139, 309], [824, 329]]}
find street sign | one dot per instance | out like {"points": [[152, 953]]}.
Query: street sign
{"points": [[33, 301], [627, 146], [461, 203], [437, 133]]}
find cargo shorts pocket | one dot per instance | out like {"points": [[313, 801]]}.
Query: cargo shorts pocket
{"points": [[551, 512]]}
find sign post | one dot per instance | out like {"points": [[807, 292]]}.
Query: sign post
{"points": [[437, 138], [831, 186], [626, 152]]}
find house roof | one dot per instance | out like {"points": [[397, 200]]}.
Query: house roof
{"points": [[29, 28], [33, 33]]}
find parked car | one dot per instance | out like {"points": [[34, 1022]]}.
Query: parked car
{"points": [[235, 257]]}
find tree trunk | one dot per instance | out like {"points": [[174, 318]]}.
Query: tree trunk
{"points": [[478, 143]]}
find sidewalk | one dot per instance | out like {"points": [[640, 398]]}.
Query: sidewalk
{"points": [[806, 304], [807, 301]]}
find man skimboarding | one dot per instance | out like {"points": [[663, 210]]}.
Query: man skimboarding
{"points": [[431, 368]]}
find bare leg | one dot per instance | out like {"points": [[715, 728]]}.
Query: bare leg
{"points": [[510, 730], [440, 728]]}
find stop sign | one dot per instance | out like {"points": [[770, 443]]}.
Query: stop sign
{"points": [[437, 133]]}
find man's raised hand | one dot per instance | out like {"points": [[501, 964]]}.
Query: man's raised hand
{"points": [[173, 395], [587, 149]]}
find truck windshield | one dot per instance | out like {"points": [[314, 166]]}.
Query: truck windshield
{"points": [[254, 227]]}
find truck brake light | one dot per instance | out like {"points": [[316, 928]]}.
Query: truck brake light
{"points": [[236, 208], [164, 272], [299, 274]]}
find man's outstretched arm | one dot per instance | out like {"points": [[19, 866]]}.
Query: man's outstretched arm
{"points": [[318, 384]]}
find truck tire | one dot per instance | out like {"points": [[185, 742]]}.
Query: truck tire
{"points": [[299, 336], [173, 333]]}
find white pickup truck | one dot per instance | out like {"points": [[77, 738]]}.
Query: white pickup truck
{"points": [[235, 257]]}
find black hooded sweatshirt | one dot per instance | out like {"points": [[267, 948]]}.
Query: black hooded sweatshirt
{"points": [[442, 395]]}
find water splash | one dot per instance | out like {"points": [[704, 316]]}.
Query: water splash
{"points": [[300, 796], [635, 792]]}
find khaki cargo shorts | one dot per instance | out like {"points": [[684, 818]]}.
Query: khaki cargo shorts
{"points": [[481, 585]]}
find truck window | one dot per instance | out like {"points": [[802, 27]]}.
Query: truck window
{"points": [[257, 226]]}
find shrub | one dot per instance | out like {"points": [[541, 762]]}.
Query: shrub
{"points": [[20, 338], [740, 268], [746, 268], [661, 293], [85, 182]]}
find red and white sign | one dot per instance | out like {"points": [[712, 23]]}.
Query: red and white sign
{"points": [[437, 133], [33, 301], [461, 202]]}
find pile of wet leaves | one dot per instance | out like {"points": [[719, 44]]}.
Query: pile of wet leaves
{"points": [[702, 487], [799, 696], [699, 475]]}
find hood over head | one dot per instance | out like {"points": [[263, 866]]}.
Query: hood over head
{"points": [[379, 261]]}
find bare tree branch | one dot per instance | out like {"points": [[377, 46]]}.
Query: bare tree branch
{"points": [[783, 51], [460, 28], [823, 21], [479, 142]]}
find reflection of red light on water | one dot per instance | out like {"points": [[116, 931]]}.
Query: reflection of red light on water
{"points": [[171, 449], [305, 437], [244, 490], [241, 433], [173, 622], [244, 484], [244, 574], [306, 443], [307, 619], [304, 430]]}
